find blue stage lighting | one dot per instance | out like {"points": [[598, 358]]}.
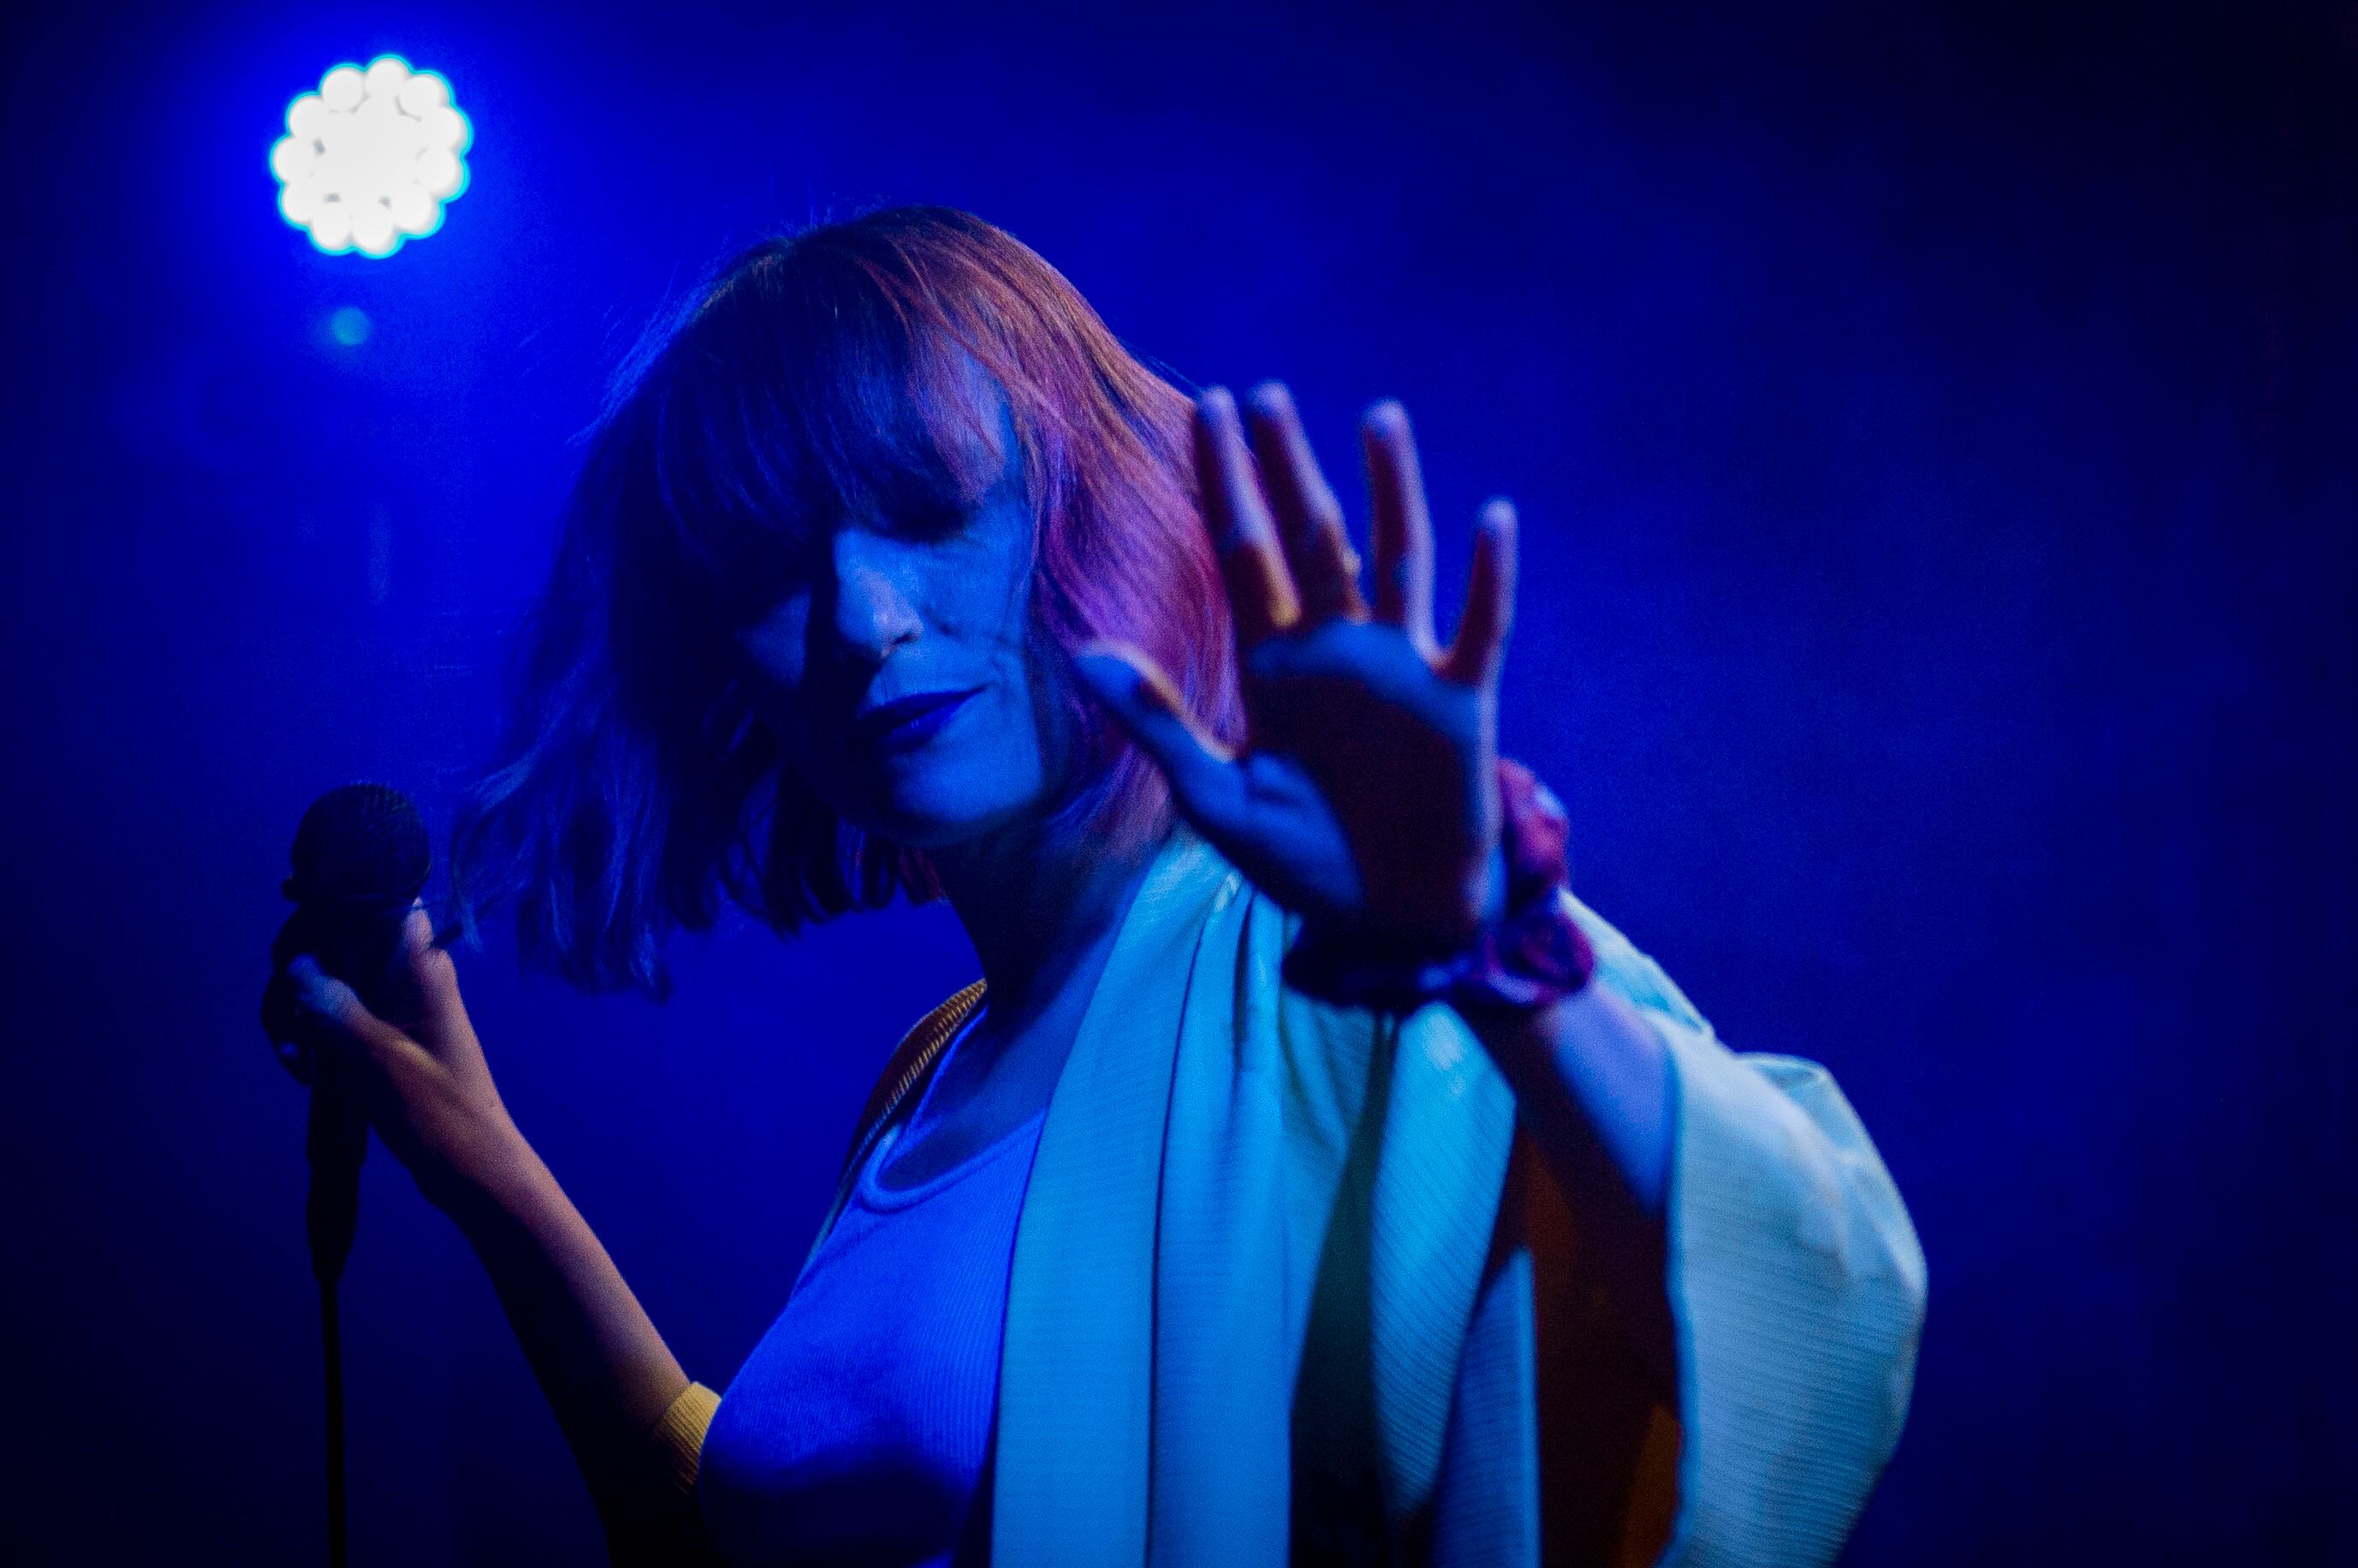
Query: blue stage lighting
{"points": [[369, 160]]}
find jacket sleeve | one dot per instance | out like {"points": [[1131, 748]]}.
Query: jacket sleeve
{"points": [[1796, 1286]]}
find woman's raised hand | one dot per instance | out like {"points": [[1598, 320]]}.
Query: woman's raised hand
{"points": [[429, 1091], [1366, 795]]}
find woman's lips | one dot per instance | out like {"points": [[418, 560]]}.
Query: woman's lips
{"points": [[907, 722]]}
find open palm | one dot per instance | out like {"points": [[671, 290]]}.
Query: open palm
{"points": [[1367, 794]]}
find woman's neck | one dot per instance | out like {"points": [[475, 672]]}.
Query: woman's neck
{"points": [[1041, 909], [1043, 914]]}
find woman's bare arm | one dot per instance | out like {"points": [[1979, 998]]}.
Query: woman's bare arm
{"points": [[1593, 1089], [606, 1372]]}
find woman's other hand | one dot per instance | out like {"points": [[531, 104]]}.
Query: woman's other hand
{"points": [[429, 1091], [1368, 794]]}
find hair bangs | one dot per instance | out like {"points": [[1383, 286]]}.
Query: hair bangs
{"points": [[793, 396]]}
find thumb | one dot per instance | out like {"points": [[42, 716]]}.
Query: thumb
{"points": [[441, 1020], [1202, 772]]}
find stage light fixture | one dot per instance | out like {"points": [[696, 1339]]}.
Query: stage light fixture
{"points": [[369, 160]]}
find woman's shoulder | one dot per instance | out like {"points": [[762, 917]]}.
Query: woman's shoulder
{"points": [[912, 1059]]}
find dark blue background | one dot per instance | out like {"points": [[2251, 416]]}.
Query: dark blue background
{"points": [[1935, 426]]}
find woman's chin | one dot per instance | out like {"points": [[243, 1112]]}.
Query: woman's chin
{"points": [[927, 822], [945, 795]]}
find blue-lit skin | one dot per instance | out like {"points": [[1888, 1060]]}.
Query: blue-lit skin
{"points": [[902, 607], [896, 609], [1369, 793]]}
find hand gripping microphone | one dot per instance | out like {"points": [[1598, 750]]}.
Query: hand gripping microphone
{"points": [[360, 859]]}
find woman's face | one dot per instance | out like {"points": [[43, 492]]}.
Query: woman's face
{"points": [[897, 674]]}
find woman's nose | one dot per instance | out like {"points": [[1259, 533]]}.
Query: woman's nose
{"points": [[875, 604]]}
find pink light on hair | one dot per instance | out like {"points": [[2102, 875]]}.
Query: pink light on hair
{"points": [[825, 372]]}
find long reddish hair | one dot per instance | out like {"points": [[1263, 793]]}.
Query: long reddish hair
{"points": [[636, 790]]}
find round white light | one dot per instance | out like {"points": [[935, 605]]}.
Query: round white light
{"points": [[369, 160]]}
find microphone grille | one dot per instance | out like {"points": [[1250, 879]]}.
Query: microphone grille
{"points": [[361, 843]]}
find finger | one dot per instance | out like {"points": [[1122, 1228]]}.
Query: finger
{"points": [[1205, 781], [1475, 657], [1252, 562], [1309, 519], [337, 1020], [1401, 529], [287, 1029]]}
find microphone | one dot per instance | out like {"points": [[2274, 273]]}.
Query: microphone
{"points": [[361, 857]]}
